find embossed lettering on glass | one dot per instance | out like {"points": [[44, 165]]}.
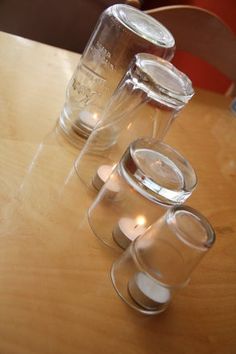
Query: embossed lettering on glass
{"points": [[121, 32]]}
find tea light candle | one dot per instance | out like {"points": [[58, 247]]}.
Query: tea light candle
{"points": [[128, 230], [148, 293], [102, 175], [89, 119]]}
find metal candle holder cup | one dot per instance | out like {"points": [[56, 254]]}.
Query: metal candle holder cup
{"points": [[121, 32], [145, 103], [160, 262], [150, 178]]}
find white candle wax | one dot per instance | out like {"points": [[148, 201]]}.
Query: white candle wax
{"points": [[89, 119], [127, 230], [148, 293], [102, 175]]}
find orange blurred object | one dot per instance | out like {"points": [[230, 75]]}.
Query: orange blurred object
{"points": [[202, 73]]}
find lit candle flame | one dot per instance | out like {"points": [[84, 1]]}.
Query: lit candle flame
{"points": [[129, 126], [141, 220]]}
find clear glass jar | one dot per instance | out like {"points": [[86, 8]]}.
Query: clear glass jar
{"points": [[161, 261], [121, 32], [145, 103], [150, 178]]}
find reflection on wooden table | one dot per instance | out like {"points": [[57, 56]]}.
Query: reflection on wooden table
{"points": [[55, 290]]}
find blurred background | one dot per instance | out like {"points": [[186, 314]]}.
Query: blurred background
{"points": [[68, 24]]}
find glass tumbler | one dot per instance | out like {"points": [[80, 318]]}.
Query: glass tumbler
{"points": [[150, 178], [145, 103], [160, 262], [121, 32]]}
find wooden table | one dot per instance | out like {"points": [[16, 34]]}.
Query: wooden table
{"points": [[55, 290]]}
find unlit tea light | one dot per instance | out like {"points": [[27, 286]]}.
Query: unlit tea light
{"points": [[128, 229], [148, 293]]}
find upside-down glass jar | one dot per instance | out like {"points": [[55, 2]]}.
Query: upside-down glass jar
{"points": [[145, 103], [121, 32], [150, 178], [161, 261]]}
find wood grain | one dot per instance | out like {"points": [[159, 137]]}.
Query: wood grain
{"points": [[55, 290]]}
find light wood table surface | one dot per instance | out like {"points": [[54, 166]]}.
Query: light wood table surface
{"points": [[55, 290]]}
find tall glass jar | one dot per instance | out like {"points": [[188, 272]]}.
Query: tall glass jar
{"points": [[121, 32], [150, 178], [145, 103]]}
